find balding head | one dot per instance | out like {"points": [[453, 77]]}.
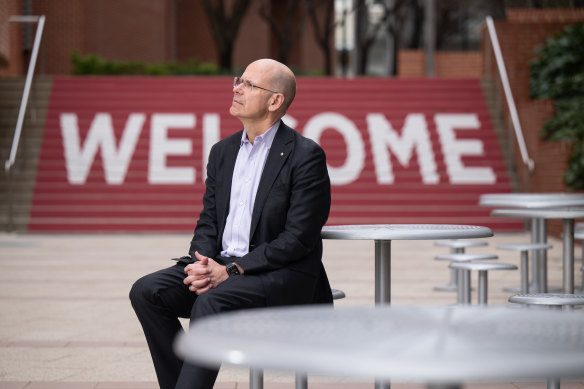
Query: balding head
{"points": [[279, 78]]}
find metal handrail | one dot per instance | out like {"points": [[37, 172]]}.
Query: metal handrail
{"points": [[527, 161], [23, 103]]}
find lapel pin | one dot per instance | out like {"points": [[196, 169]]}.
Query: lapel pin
{"points": [[281, 154]]}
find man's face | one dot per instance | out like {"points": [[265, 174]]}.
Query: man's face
{"points": [[250, 102]]}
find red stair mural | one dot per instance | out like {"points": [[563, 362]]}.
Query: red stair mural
{"points": [[128, 153]]}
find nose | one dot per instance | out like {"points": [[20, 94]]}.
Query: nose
{"points": [[237, 88]]}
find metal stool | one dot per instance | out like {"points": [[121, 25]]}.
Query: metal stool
{"points": [[463, 280], [482, 268], [256, 376], [457, 246], [524, 248]]}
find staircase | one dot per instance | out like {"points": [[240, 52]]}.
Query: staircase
{"points": [[128, 153], [505, 138], [16, 187]]}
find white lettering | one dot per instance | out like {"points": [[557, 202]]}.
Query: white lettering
{"points": [[161, 147], [210, 137], [355, 160], [454, 149], [414, 136], [290, 121], [78, 159]]}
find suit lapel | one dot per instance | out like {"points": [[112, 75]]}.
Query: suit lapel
{"points": [[279, 153]]}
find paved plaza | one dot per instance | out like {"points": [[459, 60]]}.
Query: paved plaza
{"points": [[66, 321]]}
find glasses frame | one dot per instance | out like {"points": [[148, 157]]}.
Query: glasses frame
{"points": [[246, 84]]}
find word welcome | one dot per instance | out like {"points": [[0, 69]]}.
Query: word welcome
{"points": [[413, 139]]}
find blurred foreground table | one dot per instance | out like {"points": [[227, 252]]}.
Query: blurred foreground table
{"points": [[434, 345], [383, 234]]}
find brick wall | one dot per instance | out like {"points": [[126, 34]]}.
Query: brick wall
{"points": [[466, 64], [148, 31], [10, 39], [550, 157], [519, 36], [548, 15], [410, 63], [64, 25], [448, 64]]}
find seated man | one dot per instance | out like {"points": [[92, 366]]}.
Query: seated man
{"points": [[257, 241]]}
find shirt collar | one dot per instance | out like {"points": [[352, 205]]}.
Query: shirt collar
{"points": [[267, 137]]}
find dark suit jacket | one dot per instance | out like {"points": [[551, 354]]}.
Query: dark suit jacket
{"points": [[291, 206]]}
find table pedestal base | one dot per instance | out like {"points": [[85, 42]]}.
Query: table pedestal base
{"points": [[383, 269]]}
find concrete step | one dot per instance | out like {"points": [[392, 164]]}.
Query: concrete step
{"points": [[137, 205], [16, 188]]}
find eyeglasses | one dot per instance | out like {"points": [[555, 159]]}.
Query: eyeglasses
{"points": [[237, 81]]}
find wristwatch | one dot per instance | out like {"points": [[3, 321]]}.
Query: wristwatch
{"points": [[232, 269]]}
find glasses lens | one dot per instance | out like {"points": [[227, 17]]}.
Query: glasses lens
{"points": [[237, 81]]}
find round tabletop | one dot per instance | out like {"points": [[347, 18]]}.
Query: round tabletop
{"points": [[532, 200], [429, 344], [543, 213], [405, 231]]}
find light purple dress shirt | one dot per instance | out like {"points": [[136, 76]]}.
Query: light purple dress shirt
{"points": [[249, 166]]}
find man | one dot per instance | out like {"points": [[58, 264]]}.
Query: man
{"points": [[257, 241]]}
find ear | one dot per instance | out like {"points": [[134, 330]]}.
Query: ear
{"points": [[276, 101]]}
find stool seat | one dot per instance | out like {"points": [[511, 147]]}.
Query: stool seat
{"points": [[465, 268], [483, 266], [337, 294], [465, 257], [524, 246], [548, 299], [457, 246], [460, 243]]}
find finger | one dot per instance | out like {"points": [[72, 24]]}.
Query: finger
{"points": [[202, 290], [204, 260], [200, 283], [194, 278], [199, 271]]}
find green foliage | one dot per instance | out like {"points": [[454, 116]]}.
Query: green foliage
{"points": [[558, 74], [95, 65]]}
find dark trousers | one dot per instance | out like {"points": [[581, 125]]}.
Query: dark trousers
{"points": [[160, 298]]}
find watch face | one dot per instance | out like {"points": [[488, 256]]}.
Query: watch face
{"points": [[232, 270]]}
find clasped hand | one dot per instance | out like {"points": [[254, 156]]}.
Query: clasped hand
{"points": [[204, 274]]}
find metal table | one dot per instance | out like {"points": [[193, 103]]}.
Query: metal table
{"points": [[532, 200], [383, 234], [567, 215], [538, 225], [425, 344]]}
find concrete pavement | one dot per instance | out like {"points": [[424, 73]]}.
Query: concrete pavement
{"points": [[66, 321]]}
